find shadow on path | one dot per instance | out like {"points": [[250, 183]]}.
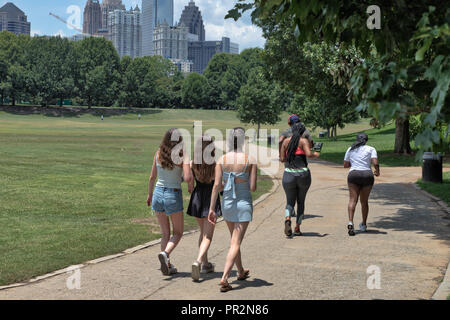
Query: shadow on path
{"points": [[255, 283], [416, 211]]}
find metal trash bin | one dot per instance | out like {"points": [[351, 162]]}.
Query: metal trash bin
{"points": [[432, 167]]}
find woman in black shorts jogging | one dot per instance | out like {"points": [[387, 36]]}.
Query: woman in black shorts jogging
{"points": [[296, 177], [359, 158]]}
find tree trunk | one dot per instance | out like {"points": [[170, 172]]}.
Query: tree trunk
{"points": [[259, 126], [328, 130], [13, 101], [1, 98], [89, 103], [402, 145], [61, 102]]}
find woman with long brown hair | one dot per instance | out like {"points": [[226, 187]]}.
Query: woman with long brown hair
{"points": [[170, 163], [203, 169], [236, 173]]}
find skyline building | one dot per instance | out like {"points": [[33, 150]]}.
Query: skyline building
{"points": [[163, 12], [92, 17], [125, 31], [171, 42], [14, 20], [108, 6], [148, 20], [201, 52], [191, 17]]}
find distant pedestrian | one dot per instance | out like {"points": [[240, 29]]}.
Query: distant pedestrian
{"points": [[102, 118], [203, 173], [139, 116], [360, 158], [167, 199]]}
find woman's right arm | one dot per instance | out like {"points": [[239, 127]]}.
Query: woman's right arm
{"points": [[377, 167], [151, 182], [215, 193]]}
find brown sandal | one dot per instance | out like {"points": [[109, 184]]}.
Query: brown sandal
{"points": [[225, 287], [246, 275]]}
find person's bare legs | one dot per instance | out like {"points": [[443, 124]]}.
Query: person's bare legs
{"points": [[207, 235], [200, 237], [164, 224], [237, 234], [353, 201], [364, 197], [178, 228]]}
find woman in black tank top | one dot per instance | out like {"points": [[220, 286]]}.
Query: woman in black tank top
{"points": [[296, 177]]}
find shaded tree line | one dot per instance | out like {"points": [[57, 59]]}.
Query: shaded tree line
{"points": [[48, 70]]}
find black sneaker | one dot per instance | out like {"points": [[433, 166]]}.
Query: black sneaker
{"points": [[297, 232], [287, 228], [351, 230]]}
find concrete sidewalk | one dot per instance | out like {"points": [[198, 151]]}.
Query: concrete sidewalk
{"points": [[408, 240]]}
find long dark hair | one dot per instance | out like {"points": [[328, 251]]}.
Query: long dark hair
{"points": [[204, 171], [297, 131], [171, 139], [361, 140]]}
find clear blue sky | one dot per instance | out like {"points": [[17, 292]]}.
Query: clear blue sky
{"points": [[213, 12]]}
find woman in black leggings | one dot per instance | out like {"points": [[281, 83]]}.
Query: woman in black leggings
{"points": [[296, 177]]}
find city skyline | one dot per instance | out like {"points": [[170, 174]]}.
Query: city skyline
{"points": [[213, 12]]}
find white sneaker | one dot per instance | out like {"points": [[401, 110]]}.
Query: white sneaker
{"points": [[196, 271], [164, 260], [362, 227]]}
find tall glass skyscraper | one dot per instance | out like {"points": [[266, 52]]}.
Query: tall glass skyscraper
{"points": [[148, 21], [163, 10]]}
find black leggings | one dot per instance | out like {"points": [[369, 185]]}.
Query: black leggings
{"points": [[296, 185]]}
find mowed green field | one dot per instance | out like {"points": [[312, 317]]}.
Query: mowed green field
{"points": [[75, 188]]}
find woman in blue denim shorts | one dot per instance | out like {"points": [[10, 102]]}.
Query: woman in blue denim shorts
{"points": [[167, 199]]}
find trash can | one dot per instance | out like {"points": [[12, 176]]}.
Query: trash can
{"points": [[432, 167], [323, 134]]}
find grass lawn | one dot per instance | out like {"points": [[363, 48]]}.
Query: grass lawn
{"points": [[74, 188], [441, 191]]}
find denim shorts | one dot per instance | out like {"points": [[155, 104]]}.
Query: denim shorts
{"points": [[167, 200]]}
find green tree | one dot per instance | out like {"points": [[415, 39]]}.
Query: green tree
{"points": [[226, 74], [50, 64], [143, 81], [97, 60], [195, 91], [13, 77], [256, 103], [406, 63]]}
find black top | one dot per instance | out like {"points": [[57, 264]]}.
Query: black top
{"points": [[201, 200], [299, 161]]}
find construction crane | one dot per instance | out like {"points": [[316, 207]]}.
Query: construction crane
{"points": [[69, 24]]}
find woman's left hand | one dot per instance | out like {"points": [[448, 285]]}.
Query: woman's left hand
{"points": [[212, 218]]}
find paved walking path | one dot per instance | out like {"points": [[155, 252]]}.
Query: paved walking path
{"points": [[408, 240]]}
